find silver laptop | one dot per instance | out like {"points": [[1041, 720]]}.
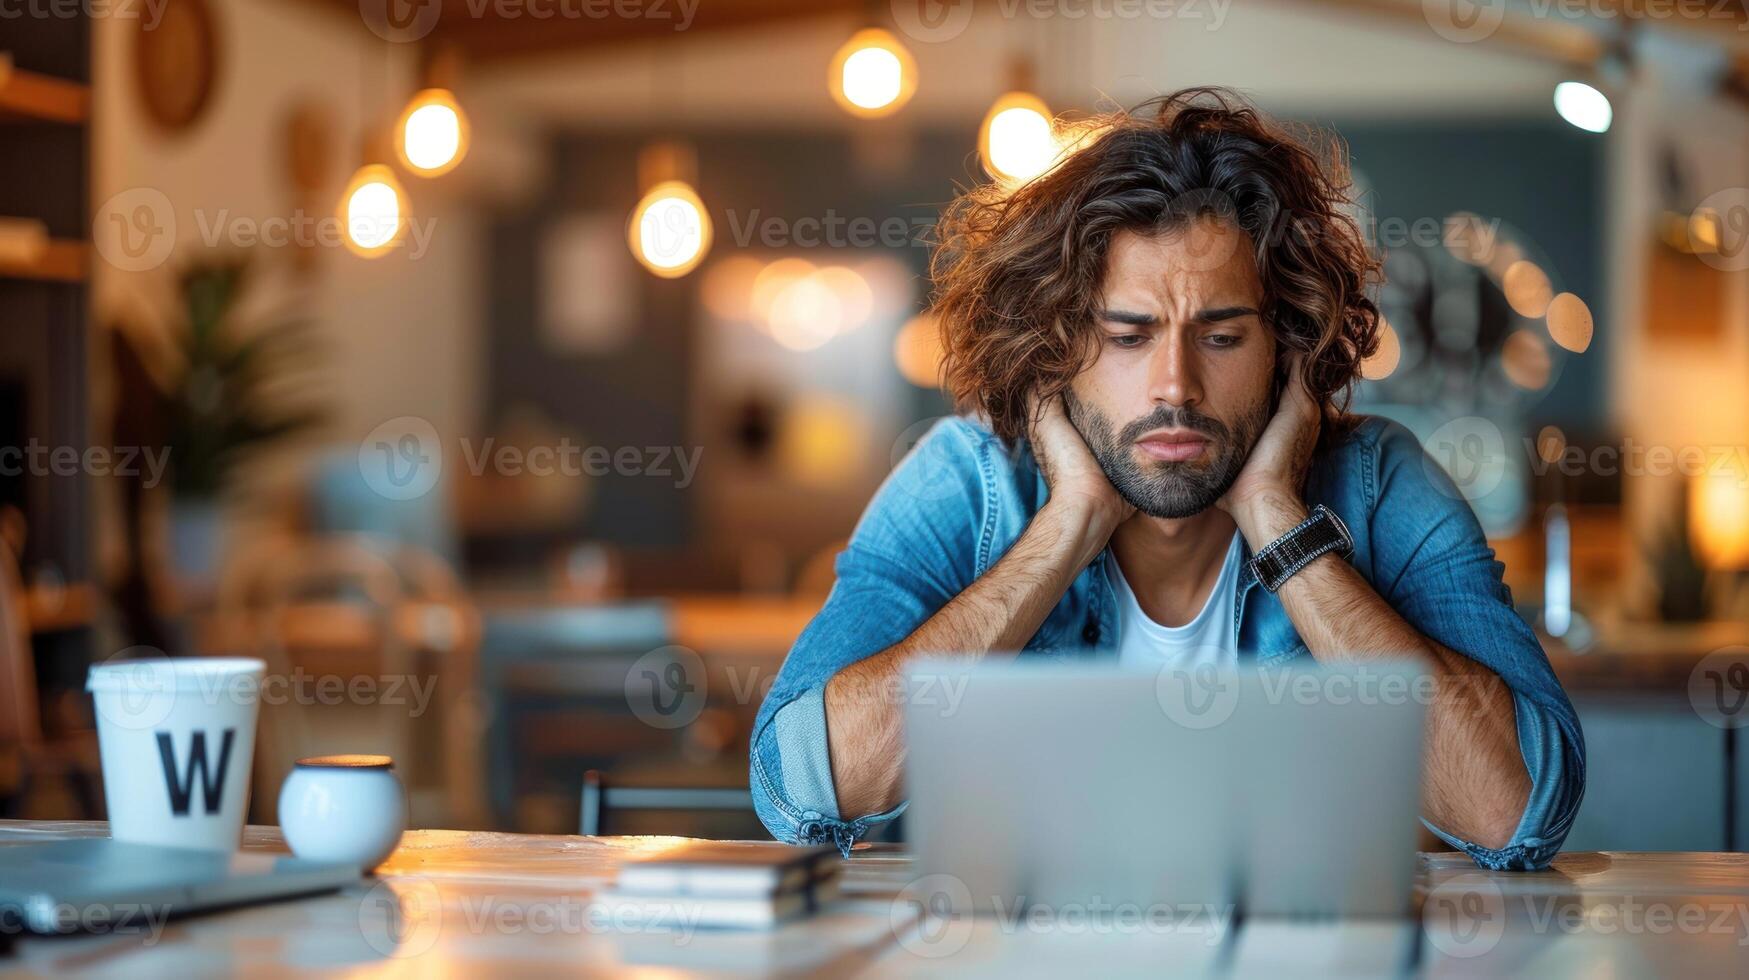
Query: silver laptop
{"points": [[1284, 791], [101, 884]]}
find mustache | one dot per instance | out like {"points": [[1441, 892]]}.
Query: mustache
{"points": [[1182, 417]]}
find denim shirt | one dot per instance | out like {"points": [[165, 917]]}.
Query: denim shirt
{"points": [[961, 498]]}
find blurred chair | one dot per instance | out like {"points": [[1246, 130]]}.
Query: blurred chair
{"points": [[26, 752], [361, 607], [606, 803], [556, 677]]}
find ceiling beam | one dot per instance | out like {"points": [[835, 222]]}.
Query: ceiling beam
{"points": [[496, 30], [1555, 40]]}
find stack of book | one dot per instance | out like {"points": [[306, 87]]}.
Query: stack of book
{"points": [[724, 885]]}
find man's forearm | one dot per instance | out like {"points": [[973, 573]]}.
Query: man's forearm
{"points": [[998, 613], [1475, 784]]}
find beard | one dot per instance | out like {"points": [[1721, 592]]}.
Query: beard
{"points": [[1167, 488]]}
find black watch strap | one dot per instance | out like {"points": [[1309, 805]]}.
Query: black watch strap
{"points": [[1320, 533]]}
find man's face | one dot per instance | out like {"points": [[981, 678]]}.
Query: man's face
{"points": [[1185, 377]]}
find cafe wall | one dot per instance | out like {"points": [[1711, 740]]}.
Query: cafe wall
{"points": [[398, 334], [793, 432]]}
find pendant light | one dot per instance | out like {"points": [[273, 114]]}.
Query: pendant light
{"points": [[431, 136], [669, 230], [374, 210], [872, 75], [1018, 140]]}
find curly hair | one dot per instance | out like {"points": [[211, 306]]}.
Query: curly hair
{"points": [[1017, 271]]}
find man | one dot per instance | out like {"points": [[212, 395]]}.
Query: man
{"points": [[1158, 336]]}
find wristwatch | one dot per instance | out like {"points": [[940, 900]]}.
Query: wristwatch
{"points": [[1317, 534]]}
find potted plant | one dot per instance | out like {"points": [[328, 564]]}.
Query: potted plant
{"points": [[223, 403]]}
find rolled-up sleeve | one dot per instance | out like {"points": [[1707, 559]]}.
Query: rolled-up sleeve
{"points": [[1433, 565], [911, 553], [800, 805]]}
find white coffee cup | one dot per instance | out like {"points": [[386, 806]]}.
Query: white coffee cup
{"points": [[177, 739]]}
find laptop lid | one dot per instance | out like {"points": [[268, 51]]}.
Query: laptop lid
{"points": [[1279, 791], [99, 884]]}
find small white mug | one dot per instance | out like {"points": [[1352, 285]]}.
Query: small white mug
{"points": [[343, 808]]}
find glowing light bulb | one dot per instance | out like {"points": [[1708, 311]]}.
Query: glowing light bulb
{"points": [[373, 211], [670, 230], [872, 78], [1017, 141], [873, 74], [1583, 106], [432, 136]]}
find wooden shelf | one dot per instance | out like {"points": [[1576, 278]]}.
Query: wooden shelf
{"points": [[61, 260], [27, 95]]}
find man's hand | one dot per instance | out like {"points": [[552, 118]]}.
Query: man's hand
{"points": [[1069, 467], [1265, 500]]}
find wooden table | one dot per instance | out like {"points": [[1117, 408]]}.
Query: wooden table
{"points": [[473, 904]]}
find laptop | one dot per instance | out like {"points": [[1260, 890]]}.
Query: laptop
{"points": [[1282, 791], [101, 884]]}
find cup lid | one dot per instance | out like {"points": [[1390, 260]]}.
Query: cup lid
{"points": [[346, 762], [169, 674]]}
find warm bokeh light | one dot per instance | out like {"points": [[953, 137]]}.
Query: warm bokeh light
{"points": [[1570, 323], [1525, 359], [1718, 505], [855, 299], [772, 281], [1527, 288], [1384, 360], [873, 74], [373, 211], [821, 442], [1583, 106], [670, 231], [1017, 141], [801, 306], [806, 314], [917, 351], [728, 287], [432, 136]]}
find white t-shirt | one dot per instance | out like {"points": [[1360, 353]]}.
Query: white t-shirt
{"points": [[1207, 639]]}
